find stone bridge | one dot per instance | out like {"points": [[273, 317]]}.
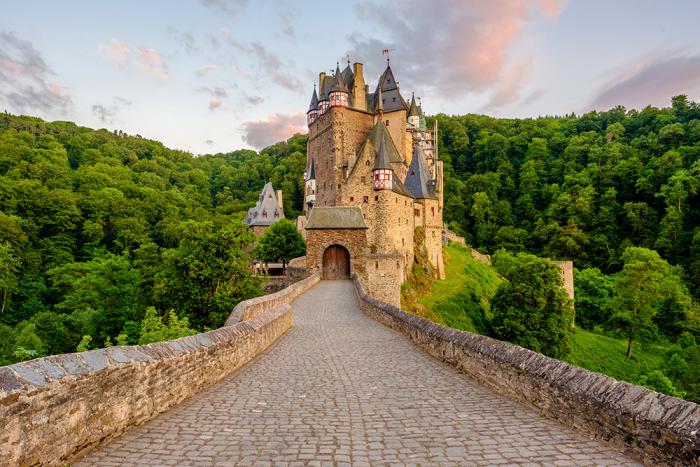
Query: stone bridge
{"points": [[339, 388]]}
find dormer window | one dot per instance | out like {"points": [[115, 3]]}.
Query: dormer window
{"points": [[264, 214]]}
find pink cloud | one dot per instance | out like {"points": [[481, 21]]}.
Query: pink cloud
{"points": [[150, 62], [215, 104], [206, 69], [274, 128], [116, 51], [507, 89], [469, 50]]}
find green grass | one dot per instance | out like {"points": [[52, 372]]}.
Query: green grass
{"points": [[606, 355], [461, 300]]}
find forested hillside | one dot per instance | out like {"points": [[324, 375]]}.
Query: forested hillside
{"points": [[97, 227], [578, 187]]}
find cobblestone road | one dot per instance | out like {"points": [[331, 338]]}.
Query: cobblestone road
{"points": [[341, 388]]}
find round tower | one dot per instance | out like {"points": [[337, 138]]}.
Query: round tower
{"points": [[312, 113], [382, 173], [339, 95]]}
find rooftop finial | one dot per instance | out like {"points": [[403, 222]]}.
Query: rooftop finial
{"points": [[386, 52]]}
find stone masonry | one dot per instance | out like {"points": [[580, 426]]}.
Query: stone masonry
{"points": [[341, 389]]}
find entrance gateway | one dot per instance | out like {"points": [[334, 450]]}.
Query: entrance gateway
{"points": [[336, 263]]}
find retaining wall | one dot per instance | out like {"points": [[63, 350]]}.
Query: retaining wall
{"points": [[650, 426], [54, 409]]}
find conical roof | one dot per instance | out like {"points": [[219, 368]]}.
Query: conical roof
{"points": [[418, 181], [312, 171], [390, 91], [338, 83], [382, 160], [413, 109], [348, 75], [266, 210], [314, 101]]}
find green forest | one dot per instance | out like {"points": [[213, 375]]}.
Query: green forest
{"points": [[107, 238]]}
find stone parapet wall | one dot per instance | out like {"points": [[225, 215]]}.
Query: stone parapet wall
{"points": [[253, 307], [53, 409], [650, 426]]}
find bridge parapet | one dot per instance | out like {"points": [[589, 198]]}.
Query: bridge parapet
{"points": [[54, 409], [653, 427]]}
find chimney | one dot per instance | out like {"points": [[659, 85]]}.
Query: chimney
{"points": [[359, 99], [279, 200]]}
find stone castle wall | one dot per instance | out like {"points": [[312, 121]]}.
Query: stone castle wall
{"points": [[653, 427], [56, 408]]}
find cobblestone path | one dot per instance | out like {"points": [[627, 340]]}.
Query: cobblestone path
{"points": [[340, 388]]}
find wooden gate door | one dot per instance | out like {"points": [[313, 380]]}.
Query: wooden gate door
{"points": [[336, 263]]}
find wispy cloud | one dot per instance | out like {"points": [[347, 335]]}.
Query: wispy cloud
{"points": [[650, 81], [217, 95], [206, 69], [143, 59], [467, 52], [27, 83], [274, 128], [229, 7], [107, 113]]}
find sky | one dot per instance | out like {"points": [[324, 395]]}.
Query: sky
{"points": [[211, 76]]}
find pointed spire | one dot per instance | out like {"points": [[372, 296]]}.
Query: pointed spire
{"points": [[314, 101], [378, 104], [312, 171], [413, 109], [382, 160]]}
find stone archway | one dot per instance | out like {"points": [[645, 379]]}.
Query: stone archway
{"points": [[336, 263]]}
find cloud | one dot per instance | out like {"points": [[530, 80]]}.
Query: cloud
{"points": [[507, 89], [206, 69], [272, 66], [143, 59], [115, 50], [185, 39], [467, 52], [107, 114], [533, 97], [253, 100], [214, 92], [229, 7], [150, 62], [274, 128], [209, 142], [215, 104], [650, 81], [103, 113], [27, 83]]}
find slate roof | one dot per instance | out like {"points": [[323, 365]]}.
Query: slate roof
{"points": [[312, 171], [418, 180], [265, 209], [382, 160], [390, 95], [413, 109], [314, 101], [336, 217]]}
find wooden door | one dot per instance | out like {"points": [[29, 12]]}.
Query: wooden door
{"points": [[336, 263]]}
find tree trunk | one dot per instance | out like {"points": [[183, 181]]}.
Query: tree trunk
{"points": [[4, 300], [629, 345]]}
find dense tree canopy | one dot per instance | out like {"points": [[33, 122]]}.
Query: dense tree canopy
{"points": [[96, 227]]}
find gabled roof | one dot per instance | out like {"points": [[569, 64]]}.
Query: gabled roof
{"points": [[265, 209], [336, 217], [382, 159], [314, 101], [418, 180]]}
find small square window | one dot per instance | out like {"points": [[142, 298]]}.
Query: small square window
{"points": [[352, 198], [416, 212], [362, 179], [365, 199], [376, 198], [386, 123]]}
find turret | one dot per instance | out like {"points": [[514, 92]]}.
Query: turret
{"points": [[323, 86], [413, 113], [311, 186], [312, 113], [339, 94], [382, 173]]}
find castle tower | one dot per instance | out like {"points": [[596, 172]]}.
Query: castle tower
{"points": [[382, 173], [339, 94], [312, 113]]}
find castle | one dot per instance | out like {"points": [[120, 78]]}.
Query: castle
{"points": [[373, 183], [267, 210]]}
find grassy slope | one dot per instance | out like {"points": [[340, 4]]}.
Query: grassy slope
{"points": [[452, 303], [459, 299]]}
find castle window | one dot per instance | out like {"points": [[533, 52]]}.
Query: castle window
{"points": [[352, 198], [264, 214], [376, 265], [416, 212], [339, 186], [393, 99], [386, 122], [403, 242], [362, 179], [376, 198], [269, 196], [367, 163], [397, 265], [432, 211], [365, 199]]}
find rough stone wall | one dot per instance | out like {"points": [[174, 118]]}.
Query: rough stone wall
{"points": [[432, 223], [385, 274], [354, 240], [567, 276], [653, 427], [55, 408]]}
